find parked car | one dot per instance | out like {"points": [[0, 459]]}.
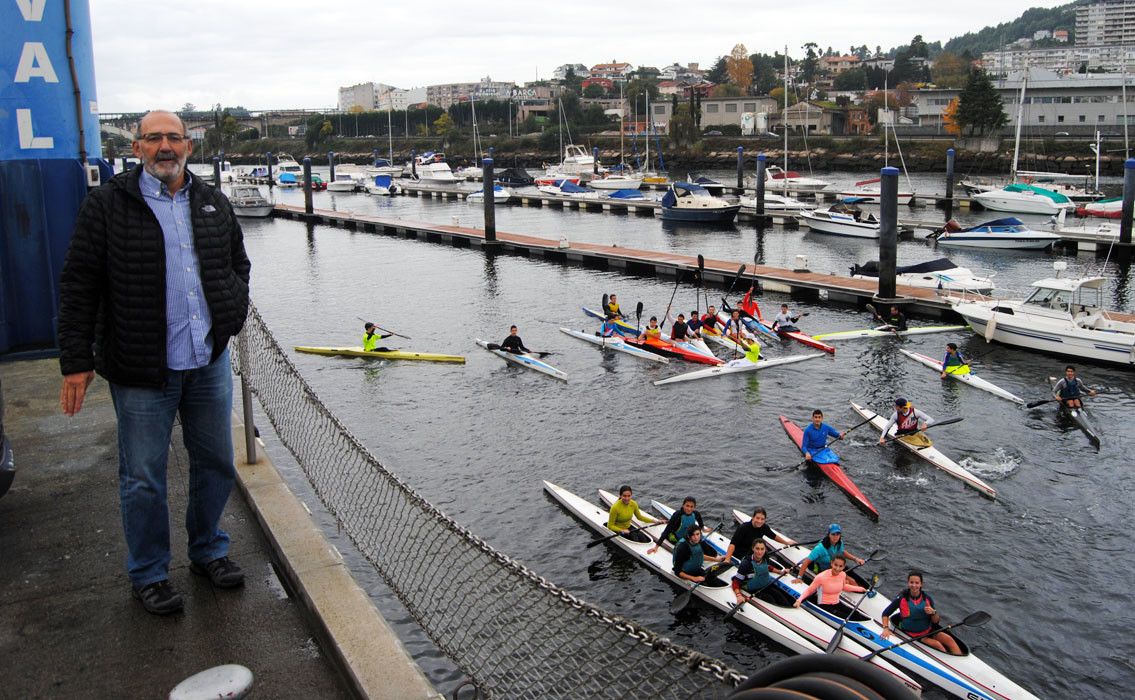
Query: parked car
{"points": [[7, 463], [715, 132]]}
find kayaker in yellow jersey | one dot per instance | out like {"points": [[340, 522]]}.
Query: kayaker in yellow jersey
{"points": [[612, 308], [652, 330], [954, 362], [370, 340], [623, 511]]}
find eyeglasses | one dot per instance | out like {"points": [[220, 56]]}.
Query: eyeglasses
{"points": [[173, 137]]}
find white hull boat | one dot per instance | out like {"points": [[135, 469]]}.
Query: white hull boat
{"points": [[616, 343], [792, 181], [501, 195], [735, 367], [884, 332], [248, 202], [1005, 234], [779, 203], [934, 274], [871, 190], [1022, 201], [524, 360], [615, 182], [965, 378], [841, 220]]}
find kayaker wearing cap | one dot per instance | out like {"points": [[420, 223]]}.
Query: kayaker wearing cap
{"points": [[1071, 388], [623, 512], [815, 442], [513, 343], [909, 419], [612, 308], [917, 617], [825, 552], [652, 330], [370, 340], [954, 362], [681, 523], [753, 531], [752, 575], [784, 321], [831, 583], [680, 332], [689, 559]]}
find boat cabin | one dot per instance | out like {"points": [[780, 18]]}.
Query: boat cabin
{"points": [[1072, 295]]}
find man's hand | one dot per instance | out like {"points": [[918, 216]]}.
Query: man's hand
{"points": [[74, 389]]}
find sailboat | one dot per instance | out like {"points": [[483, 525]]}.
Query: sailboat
{"points": [[473, 171], [619, 177], [871, 189], [575, 163], [386, 166], [782, 178]]}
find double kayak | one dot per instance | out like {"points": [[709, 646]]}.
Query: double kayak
{"points": [[883, 331], [621, 325], [735, 367], [965, 377], [524, 360], [381, 355], [930, 454], [1079, 416], [828, 462], [615, 343]]}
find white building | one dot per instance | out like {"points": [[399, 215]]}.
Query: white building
{"points": [[1106, 22], [378, 96], [561, 72], [1060, 59]]}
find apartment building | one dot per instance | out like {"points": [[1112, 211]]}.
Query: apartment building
{"points": [[1106, 23]]}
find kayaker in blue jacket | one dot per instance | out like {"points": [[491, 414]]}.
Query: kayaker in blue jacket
{"points": [[815, 442], [917, 617], [370, 340], [609, 329], [513, 343], [684, 521], [954, 362], [820, 558], [694, 324], [1071, 388], [689, 559]]}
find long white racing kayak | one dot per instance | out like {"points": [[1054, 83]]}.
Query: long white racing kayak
{"points": [[881, 332], [1079, 416], [615, 343], [968, 378], [930, 454], [525, 361], [736, 366], [965, 676]]}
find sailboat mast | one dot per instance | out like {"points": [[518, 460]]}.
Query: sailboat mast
{"points": [[646, 106], [389, 127], [1126, 148], [476, 142], [622, 108], [1020, 118], [886, 119], [784, 126]]}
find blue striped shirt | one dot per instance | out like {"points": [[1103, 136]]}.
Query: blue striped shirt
{"points": [[189, 340]]}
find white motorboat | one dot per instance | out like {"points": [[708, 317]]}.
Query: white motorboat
{"points": [[685, 201], [1024, 199], [778, 203], [430, 168], [1104, 208], [934, 274], [1064, 316], [248, 201], [612, 181], [286, 165], [381, 185], [842, 219], [348, 178], [1008, 233], [501, 195], [567, 188], [552, 177], [577, 161], [871, 190], [778, 178], [382, 166]]}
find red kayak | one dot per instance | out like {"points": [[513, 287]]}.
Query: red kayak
{"points": [[832, 470], [807, 340], [669, 349]]}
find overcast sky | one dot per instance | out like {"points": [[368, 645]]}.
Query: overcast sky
{"points": [[262, 54]]}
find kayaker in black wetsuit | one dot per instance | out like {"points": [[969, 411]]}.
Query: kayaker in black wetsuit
{"points": [[370, 340], [513, 343], [710, 320], [1071, 388], [895, 319], [684, 520], [612, 308], [748, 533], [689, 559], [681, 331]]}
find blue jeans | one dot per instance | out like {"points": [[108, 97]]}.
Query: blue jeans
{"points": [[203, 398]]}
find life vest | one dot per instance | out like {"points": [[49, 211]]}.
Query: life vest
{"points": [[695, 564], [708, 321], [613, 309], [653, 332], [907, 423], [688, 521], [370, 341], [1070, 389], [914, 620], [757, 576]]}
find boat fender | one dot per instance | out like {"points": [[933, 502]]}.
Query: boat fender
{"points": [[991, 328]]}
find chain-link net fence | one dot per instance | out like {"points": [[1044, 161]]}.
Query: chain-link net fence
{"points": [[514, 633]]}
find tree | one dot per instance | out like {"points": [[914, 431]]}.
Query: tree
{"points": [[593, 91], [641, 86], [950, 70], [950, 118], [765, 69], [444, 125], [683, 130], [573, 81], [777, 93], [979, 106], [854, 79], [739, 68], [811, 62], [719, 73], [726, 90], [187, 108]]}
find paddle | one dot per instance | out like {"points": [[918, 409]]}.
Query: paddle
{"points": [[733, 284], [974, 619], [496, 346], [701, 272], [604, 304], [944, 421], [838, 636], [384, 329], [749, 596], [833, 441], [666, 315], [638, 316], [871, 308], [612, 536]]}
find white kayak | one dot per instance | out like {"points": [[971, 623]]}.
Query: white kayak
{"points": [[735, 367], [615, 343], [965, 676], [724, 341], [930, 454], [968, 378], [881, 331], [528, 361]]}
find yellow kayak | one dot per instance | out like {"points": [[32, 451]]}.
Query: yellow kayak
{"points": [[357, 351]]}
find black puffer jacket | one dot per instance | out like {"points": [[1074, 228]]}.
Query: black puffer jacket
{"points": [[112, 294]]}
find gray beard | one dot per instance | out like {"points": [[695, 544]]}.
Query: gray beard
{"points": [[167, 177]]}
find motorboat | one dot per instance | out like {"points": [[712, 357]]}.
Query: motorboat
{"points": [[501, 195], [842, 219], [430, 168], [778, 203], [1064, 316], [381, 185], [1009, 233], [792, 181], [248, 201], [348, 178], [552, 177], [1094, 229], [515, 177], [1056, 182], [567, 188], [1020, 198], [933, 274], [686, 201], [382, 166], [1104, 208], [286, 165], [577, 161], [612, 181], [469, 172], [624, 195], [712, 186], [871, 190], [288, 180]]}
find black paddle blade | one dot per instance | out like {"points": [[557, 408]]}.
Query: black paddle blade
{"points": [[977, 619], [493, 346], [638, 309], [681, 602], [604, 306], [701, 261], [733, 611], [1034, 404]]}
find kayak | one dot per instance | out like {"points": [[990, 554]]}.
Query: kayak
{"points": [[801, 337], [671, 349], [621, 325], [734, 367], [1079, 416], [831, 469], [930, 454], [381, 355], [965, 676], [966, 378], [725, 342], [881, 332], [615, 344], [525, 361]]}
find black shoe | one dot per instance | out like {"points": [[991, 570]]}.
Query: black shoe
{"points": [[159, 598], [223, 572]]}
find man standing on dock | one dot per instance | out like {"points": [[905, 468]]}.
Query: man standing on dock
{"points": [[155, 284]]}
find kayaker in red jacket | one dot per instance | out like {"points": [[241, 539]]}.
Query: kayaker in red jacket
{"points": [[918, 617]]}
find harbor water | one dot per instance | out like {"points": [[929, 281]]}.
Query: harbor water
{"points": [[1045, 559]]}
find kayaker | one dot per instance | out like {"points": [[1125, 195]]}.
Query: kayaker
{"points": [[917, 617], [370, 340], [752, 576], [785, 321], [733, 329], [612, 308], [1069, 389], [623, 511], [681, 523], [513, 343], [825, 552], [689, 559], [815, 437], [954, 362], [895, 319], [910, 420], [749, 305], [680, 332], [693, 325], [831, 583], [755, 530], [710, 321], [652, 330], [610, 328]]}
